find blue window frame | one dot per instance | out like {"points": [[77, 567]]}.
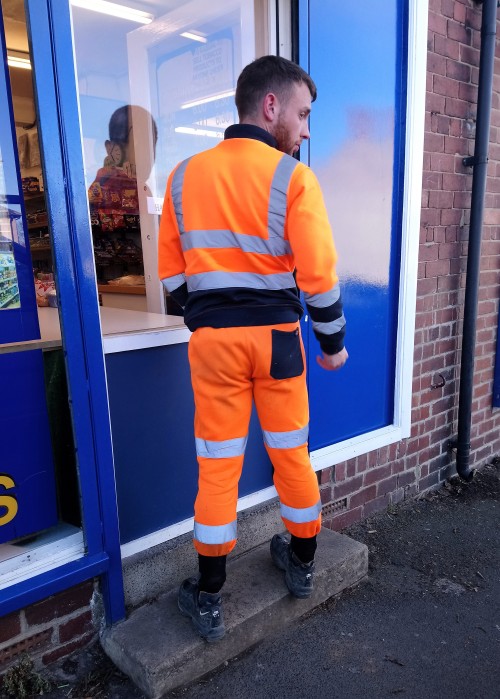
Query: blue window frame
{"points": [[52, 56]]}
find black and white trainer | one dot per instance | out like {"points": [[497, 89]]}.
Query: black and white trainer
{"points": [[204, 608], [299, 576]]}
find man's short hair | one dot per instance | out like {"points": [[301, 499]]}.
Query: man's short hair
{"points": [[268, 74]]}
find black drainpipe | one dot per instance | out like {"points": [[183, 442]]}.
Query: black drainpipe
{"points": [[479, 161]]}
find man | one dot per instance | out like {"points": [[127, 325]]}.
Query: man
{"points": [[239, 222]]}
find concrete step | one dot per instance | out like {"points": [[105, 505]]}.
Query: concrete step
{"points": [[160, 650]]}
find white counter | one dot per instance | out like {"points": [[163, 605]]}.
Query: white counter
{"points": [[122, 330]]}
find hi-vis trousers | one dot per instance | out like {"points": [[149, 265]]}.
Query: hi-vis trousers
{"points": [[229, 368]]}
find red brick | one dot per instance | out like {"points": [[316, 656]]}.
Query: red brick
{"points": [[406, 478], [60, 605], [454, 182], [345, 519], [448, 7], [437, 23], [447, 47], [325, 494], [339, 472], [440, 123], [10, 626], [467, 54], [434, 142], [363, 496], [458, 146], [457, 107], [68, 648], [437, 268], [459, 12], [347, 487], [440, 200], [458, 71], [435, 104], [432, 180], [467, 92], [442, 162], [459, 32], [376, 474], [445, 86], [428, 252], [325, 475], [447, 251], [77, 626], [376, 505], [436, 64], [474, 17], [430, 217], [387, 486], [362, 463]]}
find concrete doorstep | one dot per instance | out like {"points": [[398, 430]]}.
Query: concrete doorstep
{"points": [[160, 650]]}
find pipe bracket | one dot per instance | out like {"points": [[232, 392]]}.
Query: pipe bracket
{"points": [[472, 160]]}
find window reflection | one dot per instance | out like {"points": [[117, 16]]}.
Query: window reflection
{"points": [[171, 81]]}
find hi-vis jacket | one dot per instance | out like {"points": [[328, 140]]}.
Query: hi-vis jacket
{"points": [[242, 225]]}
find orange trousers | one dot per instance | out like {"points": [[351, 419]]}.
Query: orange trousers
{"points": [[230, 367]]}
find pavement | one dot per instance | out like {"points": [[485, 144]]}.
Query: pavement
{"points": [[425, 622]]}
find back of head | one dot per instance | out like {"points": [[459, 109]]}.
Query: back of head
{"points": [[268, 74]]}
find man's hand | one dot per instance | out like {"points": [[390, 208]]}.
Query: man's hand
{"points": [[332, 362]]}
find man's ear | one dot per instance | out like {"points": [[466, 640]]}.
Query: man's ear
{"points": [[270, 107]]}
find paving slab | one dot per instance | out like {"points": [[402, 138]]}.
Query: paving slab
{"points": [[160, 650]]}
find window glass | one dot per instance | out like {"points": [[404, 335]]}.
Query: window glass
{"points": [[156, 84], [40, 516]]}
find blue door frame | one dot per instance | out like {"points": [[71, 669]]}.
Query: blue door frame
{"points": [[49, 28]]}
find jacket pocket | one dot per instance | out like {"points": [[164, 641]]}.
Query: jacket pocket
{"points": [[286, 357]]}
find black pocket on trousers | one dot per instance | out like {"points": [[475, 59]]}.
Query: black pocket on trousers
{"points": [[286, 358]]}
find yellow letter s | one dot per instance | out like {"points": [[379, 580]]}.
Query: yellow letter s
{"points": [[7, 501]]}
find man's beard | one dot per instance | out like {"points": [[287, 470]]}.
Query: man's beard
{"points": [[285, 143]]}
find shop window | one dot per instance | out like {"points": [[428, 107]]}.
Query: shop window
{"points": [[156, 84], [40, 517]]}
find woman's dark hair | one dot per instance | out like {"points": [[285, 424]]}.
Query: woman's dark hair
{"points": [[268, 74]]}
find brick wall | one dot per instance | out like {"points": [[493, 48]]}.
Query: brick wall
{"points": [[358, 488], [50, 629]]}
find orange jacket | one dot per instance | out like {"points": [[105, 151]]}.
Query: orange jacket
{"points": [[238, 220]]}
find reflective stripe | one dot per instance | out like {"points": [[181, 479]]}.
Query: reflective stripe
{"points": [[278, 196], [329, 328], [220, 450], [177, 187], [228, 239], [328, 298], [226, 280], [217, 534], [301, 515], [286, 440], [173, 283]]}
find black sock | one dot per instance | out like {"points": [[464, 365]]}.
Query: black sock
{"points": [[212, 573], [304, 549]]}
